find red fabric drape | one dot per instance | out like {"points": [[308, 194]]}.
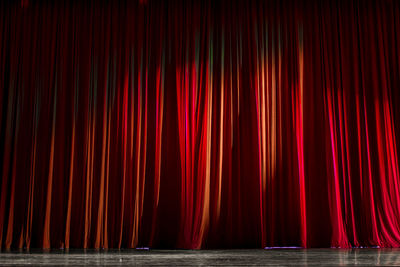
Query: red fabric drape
{"points": [[199, 125]]}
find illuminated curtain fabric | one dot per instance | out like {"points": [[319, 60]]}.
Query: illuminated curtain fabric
{"points": [[199, 125]]}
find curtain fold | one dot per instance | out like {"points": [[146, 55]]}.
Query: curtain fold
{"points": [[209, 124]]}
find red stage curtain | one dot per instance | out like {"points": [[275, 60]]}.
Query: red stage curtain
{"points": [[199, 125]]}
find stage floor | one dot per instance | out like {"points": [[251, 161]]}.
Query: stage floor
{"points": [[275, 257]]}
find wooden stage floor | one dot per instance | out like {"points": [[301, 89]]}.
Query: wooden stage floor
{"points": [[258, 257]]}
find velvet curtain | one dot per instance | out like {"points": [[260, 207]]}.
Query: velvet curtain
{"points": [[199, 124]]}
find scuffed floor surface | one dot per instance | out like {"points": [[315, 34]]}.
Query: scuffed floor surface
{"points": [[275, 257]]}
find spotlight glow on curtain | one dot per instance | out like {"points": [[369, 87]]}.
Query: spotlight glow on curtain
{"points": [[183, 125]]}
